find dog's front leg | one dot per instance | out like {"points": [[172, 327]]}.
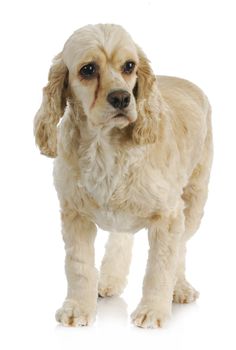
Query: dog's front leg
{"points": [[79, 307], [164, 237]]}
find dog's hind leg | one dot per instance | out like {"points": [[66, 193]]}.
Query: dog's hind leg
{"points": [[184, 293], [194, 196], [194, 201], [115, 264]]}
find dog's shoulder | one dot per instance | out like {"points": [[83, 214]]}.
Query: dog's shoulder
{"points": [[174, 88]]}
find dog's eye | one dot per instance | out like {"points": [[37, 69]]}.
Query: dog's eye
{"points": [[128, 67], [88, 71]]}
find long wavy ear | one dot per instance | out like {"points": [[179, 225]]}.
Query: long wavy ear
{"points": [[148, 103], [52, 108]]}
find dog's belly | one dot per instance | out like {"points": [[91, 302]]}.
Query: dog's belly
{"points": [[118, 221]]}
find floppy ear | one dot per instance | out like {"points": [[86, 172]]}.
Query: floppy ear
{"points": [[148, 103], [52, 108]]}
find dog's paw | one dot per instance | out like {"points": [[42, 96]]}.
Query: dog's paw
{"points": [[184, 293], [71, 314], [110, 285], [150, 316]]}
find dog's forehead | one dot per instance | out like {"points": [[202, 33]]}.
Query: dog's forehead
{"points": [[108, 38]]}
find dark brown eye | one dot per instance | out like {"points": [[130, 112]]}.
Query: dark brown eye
{"points": [[88, 71], [128, 67]]}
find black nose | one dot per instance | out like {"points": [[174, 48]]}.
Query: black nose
{"points": [[119, 99]]}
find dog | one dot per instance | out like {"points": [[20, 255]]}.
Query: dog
{"points": [[132, 151]]}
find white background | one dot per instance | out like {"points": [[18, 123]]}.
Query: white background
{"points": [[190, 39]]}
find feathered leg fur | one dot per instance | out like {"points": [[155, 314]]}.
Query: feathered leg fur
{"points": [[115, 264], [79, 307]]}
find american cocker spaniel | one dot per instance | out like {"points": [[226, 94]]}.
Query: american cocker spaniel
{"points": [[132, 151]]}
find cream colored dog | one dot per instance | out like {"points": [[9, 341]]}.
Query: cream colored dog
{"points": [[132, 151]]}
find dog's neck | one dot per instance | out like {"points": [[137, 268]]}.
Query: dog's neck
{"points": [[101, 155]]}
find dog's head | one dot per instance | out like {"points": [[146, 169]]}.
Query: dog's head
{"points": [[104, 72]]}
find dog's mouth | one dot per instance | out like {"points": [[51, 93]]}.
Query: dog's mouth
{"points": [[120, 115], [123, 117]]}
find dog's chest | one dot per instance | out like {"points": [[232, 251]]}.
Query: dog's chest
{"points": [[126, 189], [103, 176], [100, 171]]}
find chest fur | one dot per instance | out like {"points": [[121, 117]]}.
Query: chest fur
{"points": [[101, 170], [125, 187]]}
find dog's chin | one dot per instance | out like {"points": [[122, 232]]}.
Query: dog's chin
{"points": [[115, 120], [121, 120]]}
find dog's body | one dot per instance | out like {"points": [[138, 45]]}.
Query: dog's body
{"points": [[147, 167]]}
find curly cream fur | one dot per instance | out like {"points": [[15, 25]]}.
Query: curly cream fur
{"points": [[148, 169], [52, 108], [148, 103]]}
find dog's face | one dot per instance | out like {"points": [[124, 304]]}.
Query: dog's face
{"points": [[109, 77], [102, 63]]}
